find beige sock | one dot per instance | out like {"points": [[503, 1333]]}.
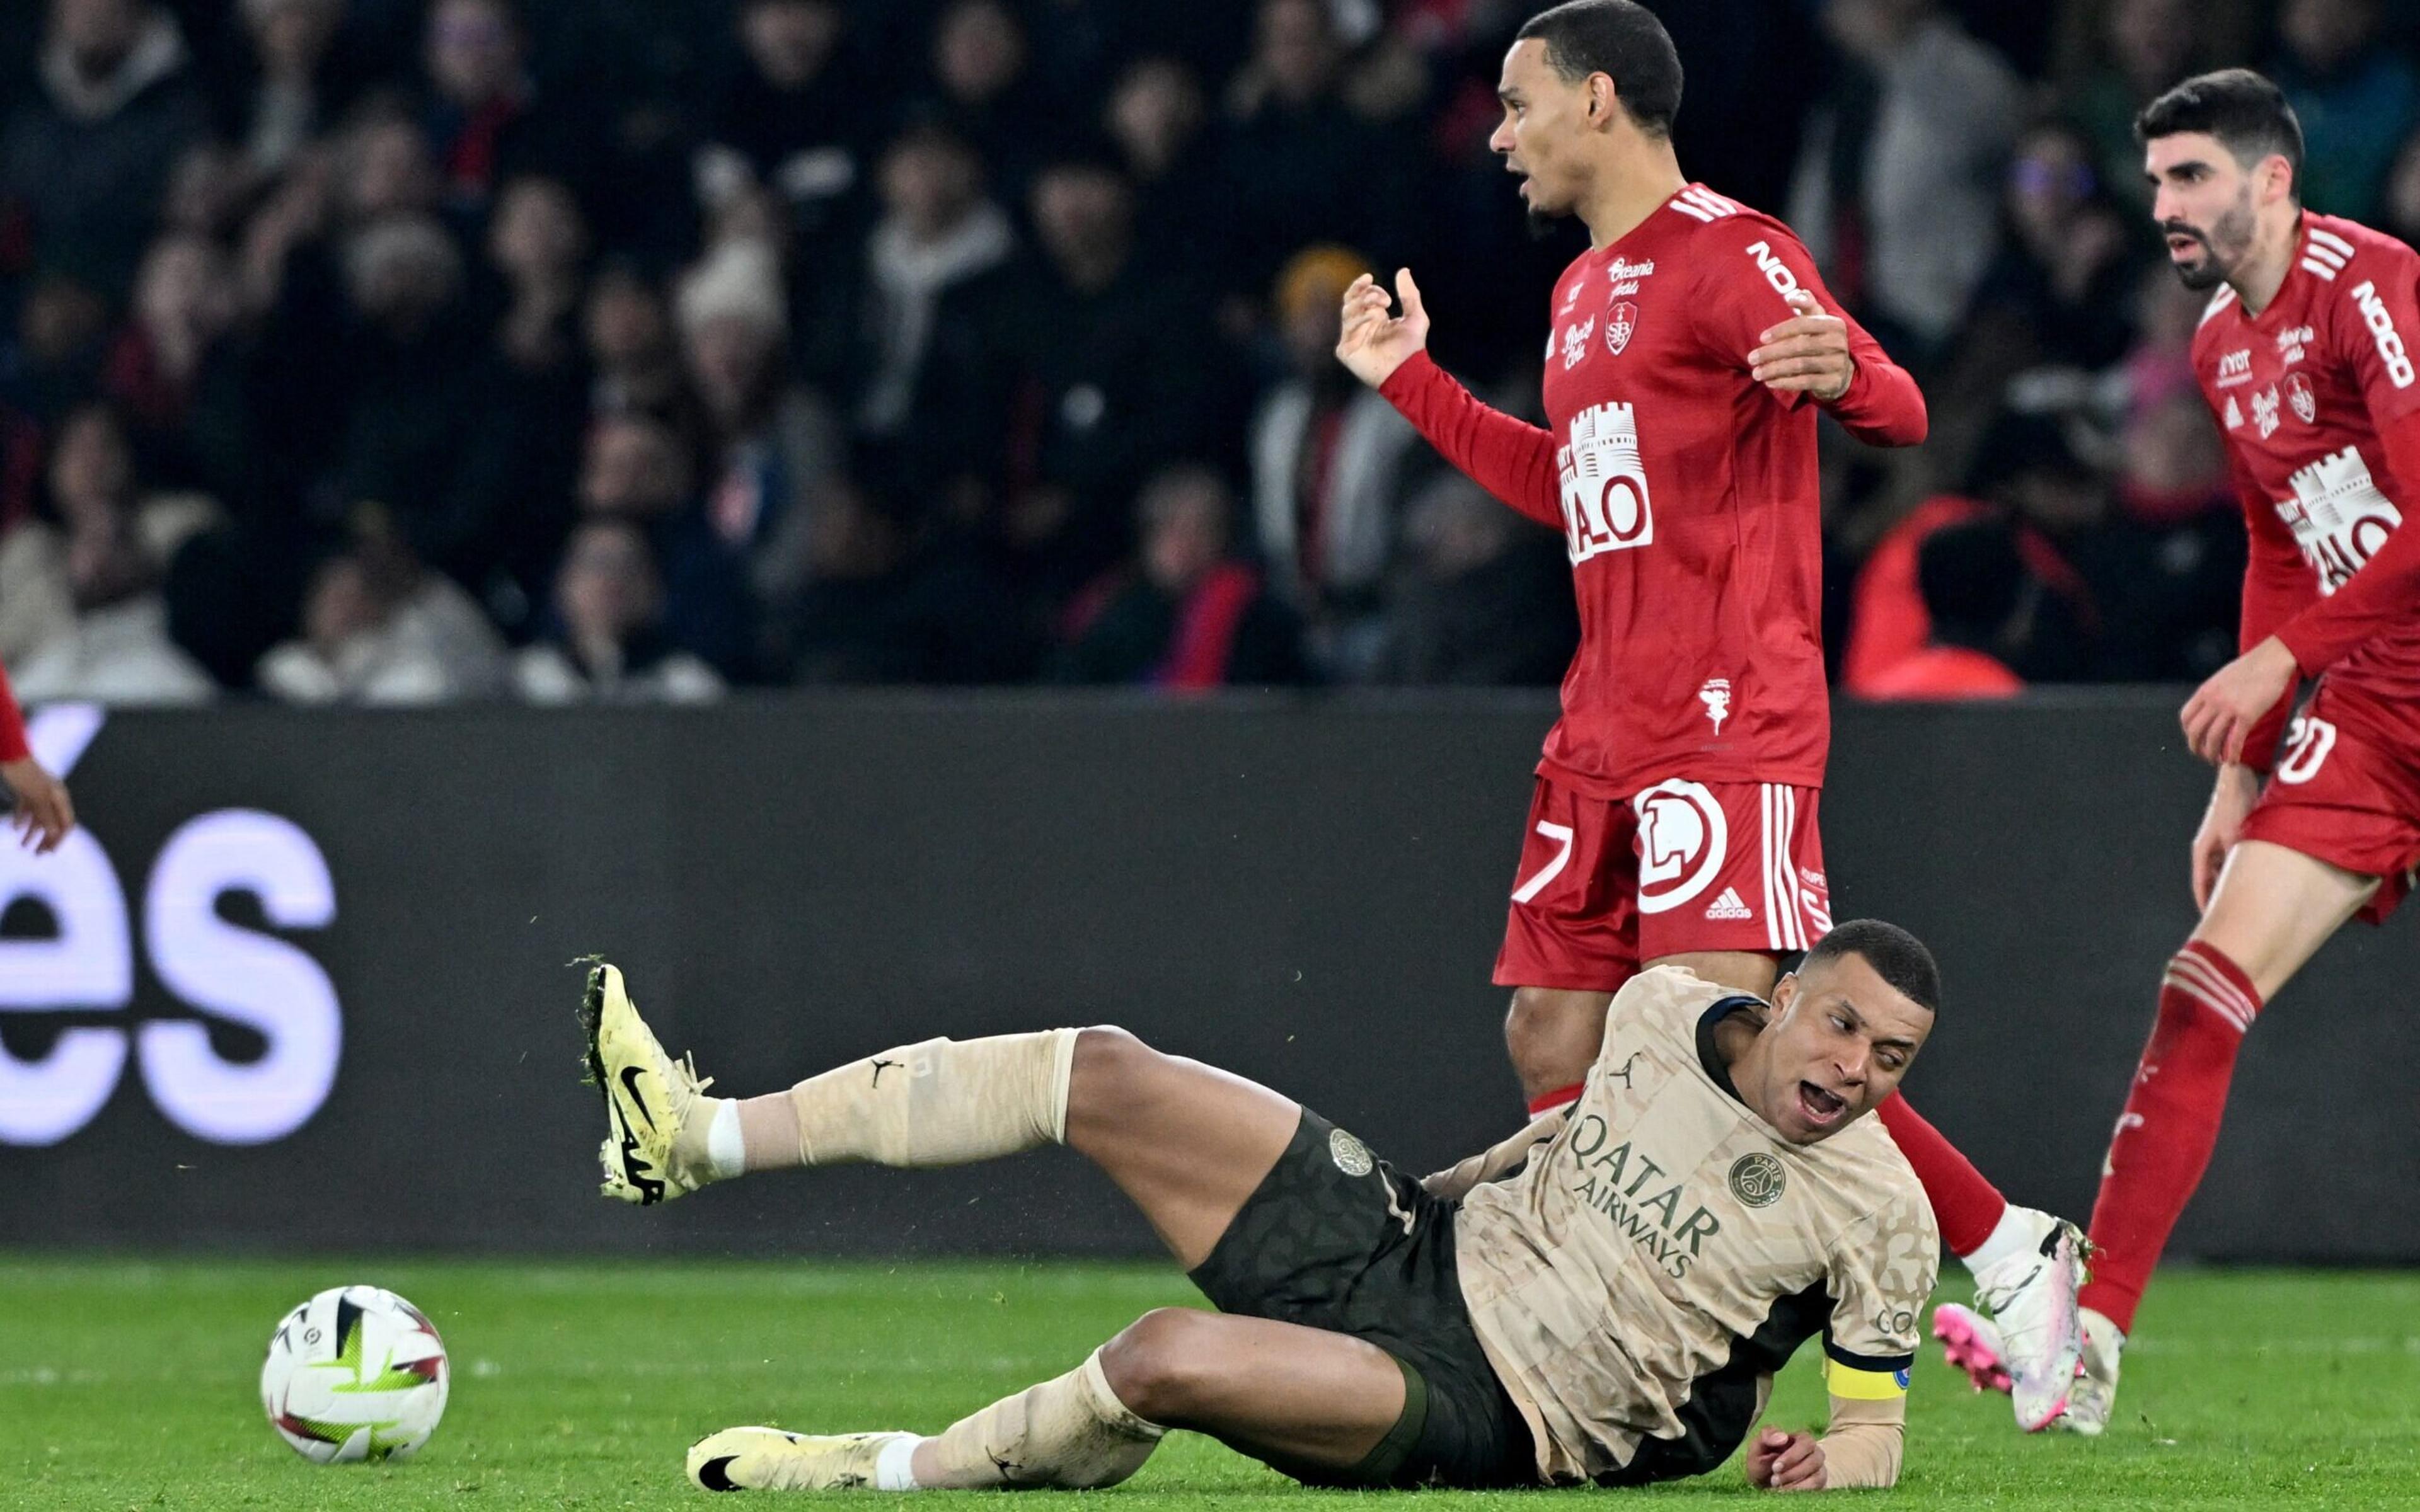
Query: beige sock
{"points": [[1072, 1432], [941, 1102]]}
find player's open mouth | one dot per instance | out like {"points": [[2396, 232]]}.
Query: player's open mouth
{"points": [[1821, 1107], [2180, 245]]}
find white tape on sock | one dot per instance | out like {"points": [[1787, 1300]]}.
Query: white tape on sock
{"points": [[894, 1469], [726, 1150]]}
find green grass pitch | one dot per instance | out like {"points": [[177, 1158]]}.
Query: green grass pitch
{"points": [[126, 1385]]}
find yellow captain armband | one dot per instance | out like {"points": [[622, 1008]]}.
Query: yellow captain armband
{"points": [[1865, 1379]]}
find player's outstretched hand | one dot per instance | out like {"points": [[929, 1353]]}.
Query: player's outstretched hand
{"points": [[42, 814], [2223, 710], [1374, 341], [1807, 353], [2222, 825], [1779, 1461]]}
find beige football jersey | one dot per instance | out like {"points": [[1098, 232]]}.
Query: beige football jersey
{"points": [[1637, 1276]]}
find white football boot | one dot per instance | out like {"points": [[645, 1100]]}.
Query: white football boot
{"points": [[1969, 1342], [768, 1460], [2096, 1384], [2026, 1338], [648, 1095]]}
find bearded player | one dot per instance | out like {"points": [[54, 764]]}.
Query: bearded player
{"points": [[2303, 358], [1674, 816]]}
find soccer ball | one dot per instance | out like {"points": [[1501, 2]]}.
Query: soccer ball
{"points": [[355, 1373]]}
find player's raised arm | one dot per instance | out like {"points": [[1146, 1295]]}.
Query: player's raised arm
{"points": [[1372, 339], [1506, 455], [1769, 311]]}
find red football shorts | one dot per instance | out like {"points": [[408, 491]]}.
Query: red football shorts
{"points": [[2347, 794], [1606, 883]]}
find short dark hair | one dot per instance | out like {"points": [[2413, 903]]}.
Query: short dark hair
{"points": [[2247, 114], [1898, 957], [1622, 40]]}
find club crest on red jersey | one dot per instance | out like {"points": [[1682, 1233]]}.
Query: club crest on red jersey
{"points": [[1620, 323], [2300, 395]]}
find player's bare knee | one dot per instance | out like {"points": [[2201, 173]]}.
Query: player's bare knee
{"points": [[1109, 1076], [1156, 1363], [1549, 1036], [1520, 1021]]}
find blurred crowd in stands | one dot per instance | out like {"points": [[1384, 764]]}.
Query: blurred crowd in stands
{"points": [[394, 351]]}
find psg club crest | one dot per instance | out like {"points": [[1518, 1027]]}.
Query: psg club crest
{"points": [[1620, 323], [1757, 1180], [2299, 394]]}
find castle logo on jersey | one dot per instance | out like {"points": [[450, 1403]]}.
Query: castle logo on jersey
{"points": [[1620, 323], [1757, 1180], [2338, 515], [2300, 395], [1605, 506], [1683, 835], [1575, 341]]}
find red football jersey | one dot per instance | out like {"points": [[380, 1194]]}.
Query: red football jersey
{"points": [[12, 724], [1687, 494], [2320, 400]]}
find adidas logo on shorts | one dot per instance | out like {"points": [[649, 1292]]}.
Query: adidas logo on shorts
{"points": [[1730, 907]]}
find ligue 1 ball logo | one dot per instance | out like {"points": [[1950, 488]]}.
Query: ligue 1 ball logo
{"points": [[1620, 323]]}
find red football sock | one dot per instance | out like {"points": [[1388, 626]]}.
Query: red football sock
{"points": [[1968, 1207], [1555, 1099], [2170, 1125]]}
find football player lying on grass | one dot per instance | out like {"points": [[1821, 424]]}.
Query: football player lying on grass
{"points": [[1605, 1298]]}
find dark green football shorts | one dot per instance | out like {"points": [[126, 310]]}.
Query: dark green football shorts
{"points": [[1336, 1239]]}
